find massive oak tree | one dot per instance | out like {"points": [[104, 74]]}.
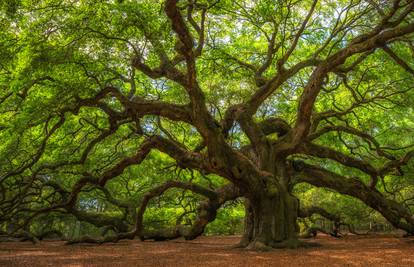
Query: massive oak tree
{"points": [[265, 94]]}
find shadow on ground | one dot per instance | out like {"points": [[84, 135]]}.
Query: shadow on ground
{"points": [[212, 251]]}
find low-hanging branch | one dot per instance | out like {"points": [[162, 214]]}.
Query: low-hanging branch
{"points": [[221, 88]]}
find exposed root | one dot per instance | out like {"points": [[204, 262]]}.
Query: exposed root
{"points": [[242, 244], [294, 244], [286, 244], [258, 246], [290, 243]]}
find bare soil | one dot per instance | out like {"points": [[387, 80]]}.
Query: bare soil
{"points": [[378, 250]]}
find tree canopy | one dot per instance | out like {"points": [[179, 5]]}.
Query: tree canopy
{"points": [[106, 106]]}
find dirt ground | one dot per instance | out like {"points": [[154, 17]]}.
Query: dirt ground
{"points": [[212, 251]]}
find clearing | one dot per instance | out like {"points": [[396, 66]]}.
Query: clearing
{"points": [[372, 250]]}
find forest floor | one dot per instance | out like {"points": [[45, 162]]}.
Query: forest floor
{"points": [[376, 250]]}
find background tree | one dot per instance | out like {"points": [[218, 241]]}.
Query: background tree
{"points": [[104, 101]]}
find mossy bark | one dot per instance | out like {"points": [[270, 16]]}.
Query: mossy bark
{"points": [[271, 221]]}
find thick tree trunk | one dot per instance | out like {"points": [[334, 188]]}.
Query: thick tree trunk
{"points": [[270, 221]]}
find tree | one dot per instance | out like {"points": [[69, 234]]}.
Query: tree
{"points": [[265, 94]]}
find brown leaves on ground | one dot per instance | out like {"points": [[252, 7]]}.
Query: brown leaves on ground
{"points": [[212, 251]]}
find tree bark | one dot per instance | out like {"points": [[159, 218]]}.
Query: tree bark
{"points": [[398, 215], [270, 221]]}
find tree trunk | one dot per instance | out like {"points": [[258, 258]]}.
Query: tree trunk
{"points": [[270, 221]]}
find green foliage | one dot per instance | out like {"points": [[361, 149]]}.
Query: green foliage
{"points": [[56, 54], [229, 221]]}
